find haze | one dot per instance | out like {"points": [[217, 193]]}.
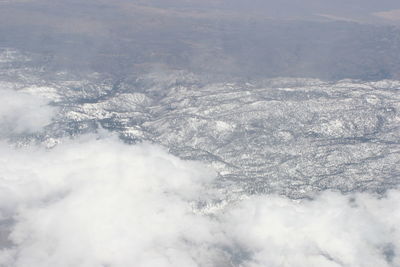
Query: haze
{"points": [[320, 39]]}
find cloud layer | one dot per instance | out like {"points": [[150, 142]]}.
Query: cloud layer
{"points": [[103, 203], [22, 113], [95, 201]]}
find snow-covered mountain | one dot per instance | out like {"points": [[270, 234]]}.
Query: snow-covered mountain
{"points": [[290, 136]]}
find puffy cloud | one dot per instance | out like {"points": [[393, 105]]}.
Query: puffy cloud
{"points": [[103, 203], [95, 201], [332, 230], [22, 112]]}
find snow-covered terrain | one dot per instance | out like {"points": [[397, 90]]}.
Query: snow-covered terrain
{"points": [[290, 136]]}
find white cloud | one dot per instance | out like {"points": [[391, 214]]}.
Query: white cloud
{"points": [[23, 113], [333, 230], [98, 202], [103, 203]]}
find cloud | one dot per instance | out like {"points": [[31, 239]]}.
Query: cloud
{"points": [[103, 203], [95, 201], [332, 230], [23, 113]]}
